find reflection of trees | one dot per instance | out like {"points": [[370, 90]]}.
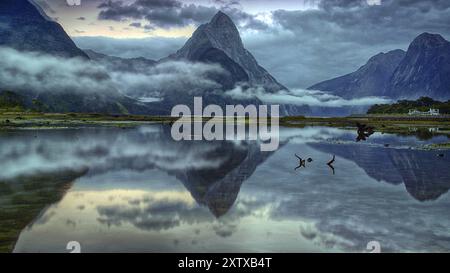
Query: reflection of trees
{"points": [[23, 198], [424, 134], [420, 133]]}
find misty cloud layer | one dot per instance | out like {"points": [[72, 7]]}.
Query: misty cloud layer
{"points": [[24, 71], [303, 97], [167, 78], [46, 73]]}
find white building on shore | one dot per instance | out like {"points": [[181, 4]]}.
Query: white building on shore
{"points": [[431, 112]]}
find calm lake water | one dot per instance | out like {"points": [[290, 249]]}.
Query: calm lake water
{"points": [[137, 190]]}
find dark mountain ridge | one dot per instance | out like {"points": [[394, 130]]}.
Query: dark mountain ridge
{"points": [[424, 70], [24, 26], [220, 41], [370, 79], [132, 65]]}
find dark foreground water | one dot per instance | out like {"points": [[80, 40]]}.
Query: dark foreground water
{"points": [[137, 190]]}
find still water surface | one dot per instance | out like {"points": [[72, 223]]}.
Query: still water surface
{"points": [[140, 191]]}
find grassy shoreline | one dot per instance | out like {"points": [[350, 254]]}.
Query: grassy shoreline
{"points": [[33, 118], [23, 120], [422, 126]]}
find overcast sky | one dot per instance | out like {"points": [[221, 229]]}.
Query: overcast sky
{"points": [[300, 42]]}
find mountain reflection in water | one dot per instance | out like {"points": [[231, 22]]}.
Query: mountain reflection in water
{"points": [[145, 192], [425, 176]]}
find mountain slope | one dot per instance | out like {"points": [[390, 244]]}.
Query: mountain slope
{"points": [[219, 41], [132, 65], [24, 26], [371, 79], [425, 70]]}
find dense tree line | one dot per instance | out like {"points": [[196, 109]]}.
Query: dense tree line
{"points": [[403, 106]]}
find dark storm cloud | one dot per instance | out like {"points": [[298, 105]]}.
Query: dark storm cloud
{"points": [[138, 25], [330, 4], [376, 23], [173, 13], [160, 13]]}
